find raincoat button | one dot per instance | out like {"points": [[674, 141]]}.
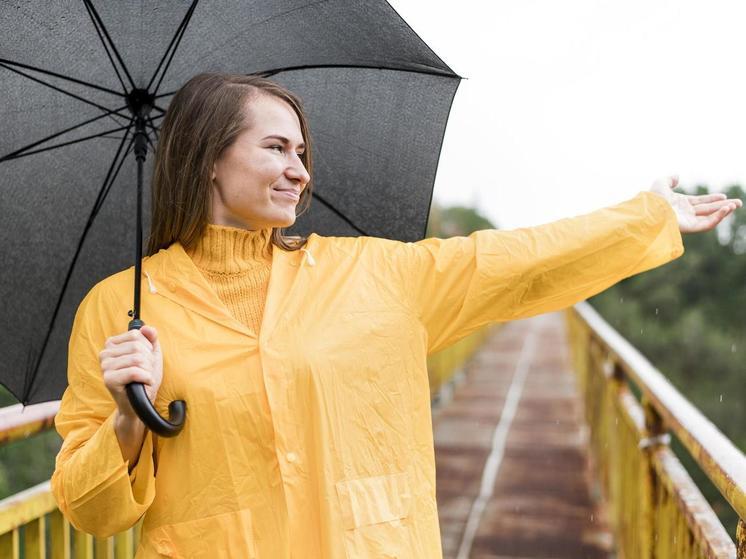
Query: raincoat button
{"points": [[171, 286], [291, 457]]}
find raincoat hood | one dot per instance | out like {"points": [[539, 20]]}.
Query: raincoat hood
{"points": [[315, 440]]}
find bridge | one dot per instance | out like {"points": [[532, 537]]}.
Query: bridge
{"points": [[553, 439]]}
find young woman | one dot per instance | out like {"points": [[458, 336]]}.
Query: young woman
{"points": [[302, 362]]}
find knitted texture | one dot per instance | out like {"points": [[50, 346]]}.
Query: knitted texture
{"points": [[236, 263]]}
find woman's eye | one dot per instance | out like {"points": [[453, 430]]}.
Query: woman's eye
{"points": [[278, 147]]}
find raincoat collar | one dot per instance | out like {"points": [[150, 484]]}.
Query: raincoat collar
{"points": [[172, 274]]}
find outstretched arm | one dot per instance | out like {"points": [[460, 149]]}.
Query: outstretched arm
{"points": [[454, 286]]}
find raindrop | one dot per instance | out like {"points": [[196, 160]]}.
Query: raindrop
{"points": [[641, 330], [656, 310], [621, 299], [733, 348], [721, 397]]}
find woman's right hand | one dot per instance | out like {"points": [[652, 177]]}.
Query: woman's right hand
{"points": [[134, 356]]}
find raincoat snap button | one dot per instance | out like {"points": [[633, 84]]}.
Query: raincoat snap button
{"points": [[291, 457], [171, 286]]}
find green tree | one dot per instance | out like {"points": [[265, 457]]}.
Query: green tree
{"points": [[452, 221]]}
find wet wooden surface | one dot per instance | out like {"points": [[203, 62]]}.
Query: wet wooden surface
{"points": [[532, 498]]}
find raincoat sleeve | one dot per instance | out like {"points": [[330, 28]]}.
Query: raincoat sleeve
{"points": [[459, 284], [91, 482]]}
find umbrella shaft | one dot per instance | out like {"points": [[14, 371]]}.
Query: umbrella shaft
{"points": [[141, 149]]}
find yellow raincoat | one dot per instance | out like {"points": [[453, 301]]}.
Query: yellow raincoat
{"points": [[315, 440]]}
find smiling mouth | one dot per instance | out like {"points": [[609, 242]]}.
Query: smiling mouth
{"points": [[288, 193]]}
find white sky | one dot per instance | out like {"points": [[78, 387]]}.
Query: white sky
{"points": [[572, 106]]}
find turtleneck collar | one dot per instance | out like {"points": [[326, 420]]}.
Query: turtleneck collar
{"points": [[231, 250]]}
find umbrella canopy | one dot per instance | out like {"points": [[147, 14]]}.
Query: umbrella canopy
{"points": [[377, 99]]}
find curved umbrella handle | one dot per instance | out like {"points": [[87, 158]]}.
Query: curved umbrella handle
{"points": [[146, 411]]}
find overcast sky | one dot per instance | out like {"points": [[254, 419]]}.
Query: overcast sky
{"points": [[572, 106]]}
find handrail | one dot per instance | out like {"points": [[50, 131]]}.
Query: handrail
{"points": [[655, 507], [18, 422], [718, 457]]}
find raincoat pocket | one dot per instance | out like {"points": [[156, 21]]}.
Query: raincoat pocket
{"points": [[374, 512], [224, 535]]}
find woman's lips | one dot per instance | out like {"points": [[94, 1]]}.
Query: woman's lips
{"points": [[289, 194]]}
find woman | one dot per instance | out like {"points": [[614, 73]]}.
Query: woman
{"points": [[308, 431]]}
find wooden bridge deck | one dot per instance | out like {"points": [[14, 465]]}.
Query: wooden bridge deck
{"points": [[511, 453]]}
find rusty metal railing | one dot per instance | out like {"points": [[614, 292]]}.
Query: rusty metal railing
{"points": [[31, 525], [655, 508]]}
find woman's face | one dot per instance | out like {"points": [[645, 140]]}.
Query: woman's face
{"points": [[257, 181]]}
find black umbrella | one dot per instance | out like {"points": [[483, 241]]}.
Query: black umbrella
{"points": [[85, 87]]}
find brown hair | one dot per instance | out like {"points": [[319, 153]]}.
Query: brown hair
{"points": [[206, 116]]}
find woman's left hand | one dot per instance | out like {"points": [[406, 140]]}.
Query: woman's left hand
{"points": [[695, 213]]}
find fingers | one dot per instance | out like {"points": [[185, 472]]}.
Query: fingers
{"points": [[123, 377], [129, 336], [711, 221], [666, 183], [125, 349], [132, 360], [150, 333], [704, 198], [708, 208]]}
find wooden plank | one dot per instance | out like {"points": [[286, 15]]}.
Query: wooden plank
{"points": [[541, 505]]}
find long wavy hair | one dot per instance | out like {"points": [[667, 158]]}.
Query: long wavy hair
{"points": [[206, 116]]}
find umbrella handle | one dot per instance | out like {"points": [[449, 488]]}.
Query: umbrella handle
{"points": [[146, 411]]}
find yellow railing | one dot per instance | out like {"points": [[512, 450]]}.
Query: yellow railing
{"points": [[30, 520], [655, 508], [443, 365]]}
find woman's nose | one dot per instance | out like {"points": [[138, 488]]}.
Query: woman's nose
{"points": [[296, 170]]}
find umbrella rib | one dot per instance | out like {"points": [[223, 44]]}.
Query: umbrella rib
{"points": [[65, 131], [55, 146], [339, 214], [442, 73], [108, 111], [106, 48], [175, 39], [97, 21], [154, 128], [71, 267], [62, 77], [105, 192], [269, 73]]}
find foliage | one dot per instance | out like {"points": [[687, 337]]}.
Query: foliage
{"points": [[454, 221], [687, 318]]}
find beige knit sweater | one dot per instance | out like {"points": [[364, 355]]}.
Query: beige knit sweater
{"points": [[236, 263]]}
